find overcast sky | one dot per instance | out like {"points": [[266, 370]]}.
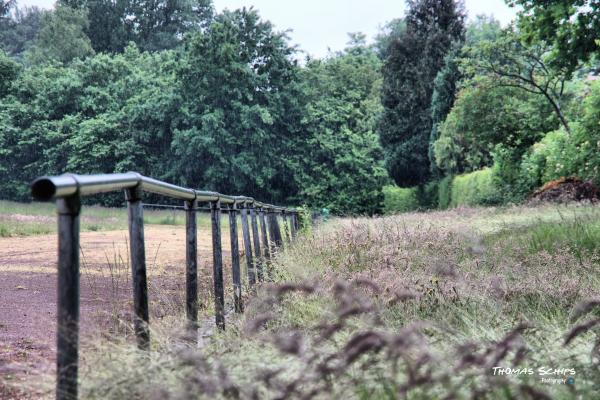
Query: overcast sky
{"points": [[321, 24]]}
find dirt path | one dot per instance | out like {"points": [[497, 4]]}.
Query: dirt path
{"points": [[28, 290]]}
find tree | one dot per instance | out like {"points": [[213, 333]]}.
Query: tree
{"points": [[153, 25], [387, 34], [510, 63], [482, 28], [339, 163], [5, 7], [99, 115], [570, 27], [161, 24], [19, 30], [447, 81], [413, 61], [61, 37], [484, 116], [236, 109], [442, 100], [8, 72]]}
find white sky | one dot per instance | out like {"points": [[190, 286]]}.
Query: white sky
{"points": [[321, 24]]}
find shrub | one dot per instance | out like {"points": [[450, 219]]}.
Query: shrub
{"points": [[445, 192], [428, 195], [397, 199], [559, 154], [304, 219], [546, 161], [475, 188]]}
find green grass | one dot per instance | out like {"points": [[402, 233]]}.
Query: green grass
{"points": [[27, 219], [581, 237]]}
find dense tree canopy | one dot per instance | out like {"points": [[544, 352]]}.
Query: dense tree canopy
{"points": [[412, 63], [235, 126], [61, 37], [220, 101], [19, 28], [484, 116], [340, 141], [570, 27]]}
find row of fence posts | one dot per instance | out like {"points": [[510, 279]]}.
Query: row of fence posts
{"points": [[257, 254]]}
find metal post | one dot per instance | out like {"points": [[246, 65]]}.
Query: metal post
{"points": [[67, 338], [263, 231], [286, 226], [235, 260], [135, 211], [248, 248], [276, 231], [215, 216], [191, 255], [259, 260], [293, 227]]}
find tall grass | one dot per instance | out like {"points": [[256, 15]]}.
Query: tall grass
{"points": [[421, 306]]}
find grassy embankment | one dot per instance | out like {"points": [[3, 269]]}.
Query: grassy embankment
{"points": [[420, 305]]}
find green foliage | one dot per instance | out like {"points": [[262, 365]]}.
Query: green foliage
{"points": [[508, 62], [8, 72], [559, 154], [230, 112], [19, 29], [102, 114], [482, 28], [544, 161], [428, 195], [571, 27], [445, 192], [484, 116], [341, 164], [61, 37], [391, 31], [412, 63], [442, 100], [398, 200], [475, 188], [240, 109], [152, 26], [305, 219]]}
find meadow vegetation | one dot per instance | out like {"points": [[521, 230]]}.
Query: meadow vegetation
{"points": [[418, 306], [25, 219]]}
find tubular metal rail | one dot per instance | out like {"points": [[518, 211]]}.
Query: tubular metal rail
{"points": [[68, 189]]}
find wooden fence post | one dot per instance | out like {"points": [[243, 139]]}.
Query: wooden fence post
{"points": [[191, 255], [67, 338], [255, 236], [248, 247], [215, 216], [235, 260], [135, 211], [263, 231]]}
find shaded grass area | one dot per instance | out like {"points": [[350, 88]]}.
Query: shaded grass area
{"points": [[26, 219], [417, 306]]}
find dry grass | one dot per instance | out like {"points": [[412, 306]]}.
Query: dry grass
{"points": [[418, 306]]}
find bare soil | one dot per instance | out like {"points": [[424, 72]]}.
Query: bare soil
{"points": [[28, 292]]}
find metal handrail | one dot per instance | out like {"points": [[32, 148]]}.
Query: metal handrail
{"points": [[47, 188], [67, 190]]}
